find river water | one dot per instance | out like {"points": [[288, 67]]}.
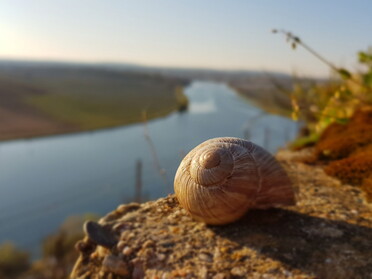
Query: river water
{"points": [[44, 180]]}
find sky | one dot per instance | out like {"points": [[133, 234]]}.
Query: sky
{"points": [[217, 34]]}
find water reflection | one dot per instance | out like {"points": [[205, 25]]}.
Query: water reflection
{"points": [[203, 107]]}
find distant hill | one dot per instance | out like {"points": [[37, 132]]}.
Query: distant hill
{"points": [[192, 73], [269, 90], [40, 98]]}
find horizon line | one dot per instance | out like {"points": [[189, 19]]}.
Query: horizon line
{"points": [[147, 66]]}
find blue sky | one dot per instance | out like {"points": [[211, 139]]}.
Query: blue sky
{"points": [[222, 34]]}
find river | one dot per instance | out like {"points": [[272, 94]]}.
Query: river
{"points": [[44, 180]]}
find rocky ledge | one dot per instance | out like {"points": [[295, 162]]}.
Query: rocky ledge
{"points": [[328, 234]]}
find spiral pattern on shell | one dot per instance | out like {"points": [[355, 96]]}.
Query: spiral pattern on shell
{"points": [[220, 179]]}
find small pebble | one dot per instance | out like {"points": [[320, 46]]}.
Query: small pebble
{"points": [[203, 273], [102, 251], [131, 235], [238, 271], [121, 245], [209, 233], [125, 208], [127, 250], [205, 257], [115, 265], [148, 243], [85, 247], [161, 257], [121, 227], [166, 244], [138, 269], [174, 229], [99, 234], [219, 276]]}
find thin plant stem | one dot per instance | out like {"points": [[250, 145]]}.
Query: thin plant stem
{"points": [[157, 164], [297, 41]]}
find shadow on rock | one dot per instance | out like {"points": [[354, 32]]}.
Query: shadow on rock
{"points": [[322, 247]]}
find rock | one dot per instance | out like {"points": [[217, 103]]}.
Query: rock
{"points": [[115, 265], [325, 232], [205, 257], [219, 276], [138, 269], [238, 271], [127, 251], [121, 244], [326, 235], [161, 257], [99, 234], [126, 208]]}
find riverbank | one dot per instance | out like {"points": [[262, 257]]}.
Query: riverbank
{"points": [[40, 100], [326, 235], [271, 93], [18, 126], [266, 96]]}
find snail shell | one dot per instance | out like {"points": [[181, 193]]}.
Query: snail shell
{"points": [[220, 179]]}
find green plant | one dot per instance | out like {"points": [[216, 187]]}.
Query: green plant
{"points": [[334, 101], [60, 244], [12, 260]]}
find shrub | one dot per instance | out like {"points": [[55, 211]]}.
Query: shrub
{"points": [[334, 101], [12, 260]]}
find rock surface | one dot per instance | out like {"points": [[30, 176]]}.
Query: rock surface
{"points": [[328, 234]]}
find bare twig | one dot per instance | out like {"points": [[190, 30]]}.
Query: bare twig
{"points": [[138, 185], [295, 40], [157, 164]]}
